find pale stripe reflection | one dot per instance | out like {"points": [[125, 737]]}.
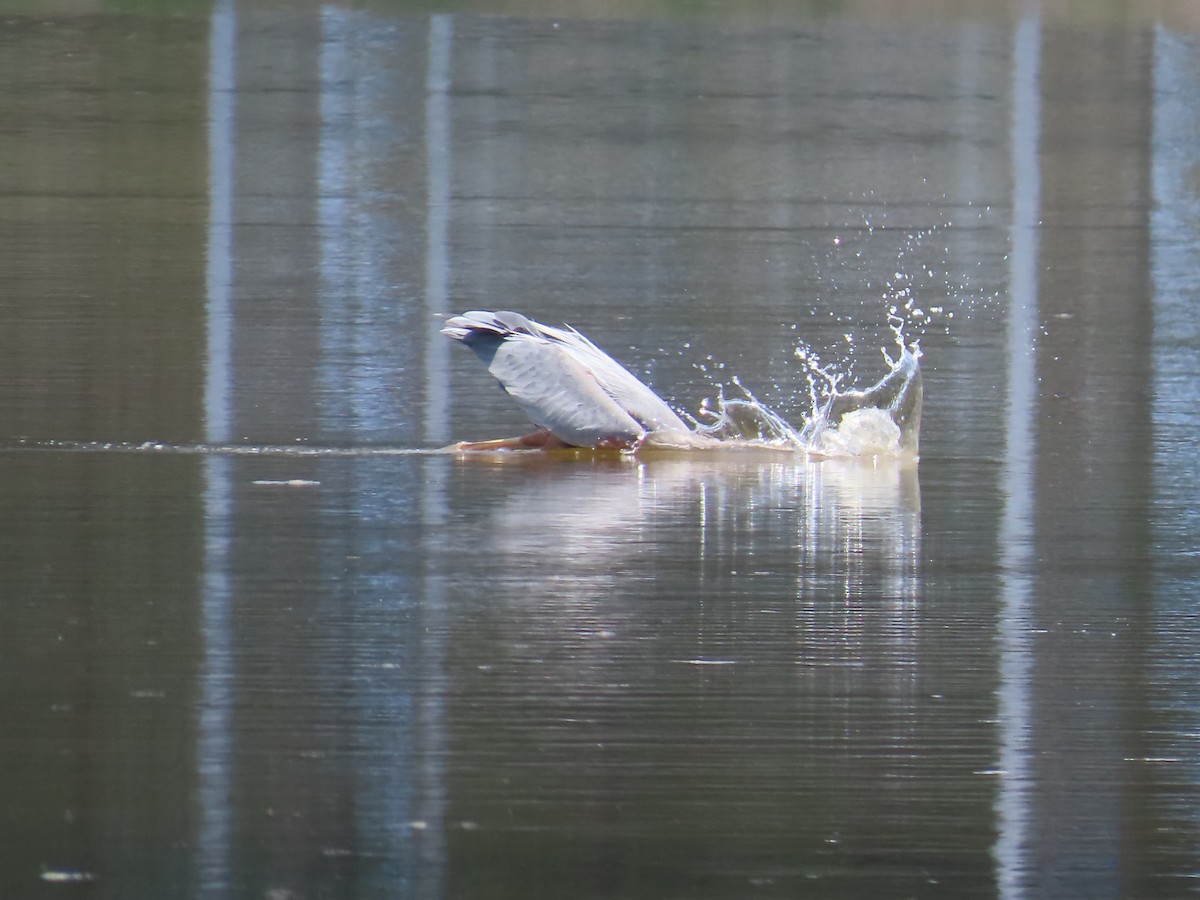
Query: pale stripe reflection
{"points": [[1017, 529], [366, 71], [437, 267], [214, 738]]}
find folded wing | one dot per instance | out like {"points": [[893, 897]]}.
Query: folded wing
{"points": [[564, 382]]}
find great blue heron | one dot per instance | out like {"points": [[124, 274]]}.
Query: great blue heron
{"points": [[579, 396], [575, 393]]}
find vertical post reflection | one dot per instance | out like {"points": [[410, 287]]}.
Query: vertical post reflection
{"points": [[1175, 243], [1016, 534], [214, 742], [366, 64], [431, 735], [437, 269]]}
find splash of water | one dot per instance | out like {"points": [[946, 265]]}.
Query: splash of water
{"points": [[926, 290], [882, 420]]}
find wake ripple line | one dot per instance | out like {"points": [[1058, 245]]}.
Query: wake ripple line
{"points": [[202, 449]]}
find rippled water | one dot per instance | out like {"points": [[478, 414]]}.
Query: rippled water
{"points": [[255, 644]]}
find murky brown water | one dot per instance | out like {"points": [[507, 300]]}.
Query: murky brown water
{"points": [[352, 672]]}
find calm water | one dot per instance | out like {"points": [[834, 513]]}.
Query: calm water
{"points": [[370, 673]]}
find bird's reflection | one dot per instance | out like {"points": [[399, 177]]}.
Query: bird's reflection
{"points": [[647, 620], [585, 514], [597, 544]]}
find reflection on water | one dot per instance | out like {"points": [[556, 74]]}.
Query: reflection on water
{"points": [[214, 750], [1017, 526], [847, 515], [260, 642], [647, 696]]}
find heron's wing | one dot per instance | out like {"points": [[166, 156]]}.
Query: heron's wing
{"points": [[562, 380], [625, 388], [560, 394]]}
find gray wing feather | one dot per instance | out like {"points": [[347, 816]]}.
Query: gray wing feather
{"points": [[562, 380], [559, 394]]}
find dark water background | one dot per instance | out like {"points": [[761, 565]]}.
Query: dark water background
{"points": [[367, 673]]}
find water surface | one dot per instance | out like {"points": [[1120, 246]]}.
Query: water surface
{"points": [[350, 670]]}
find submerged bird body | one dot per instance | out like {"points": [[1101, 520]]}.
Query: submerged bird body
{"points": [[567, 386]]}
